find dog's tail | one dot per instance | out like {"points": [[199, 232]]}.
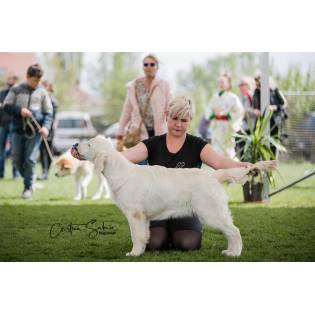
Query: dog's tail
{"points": [[240, 175]]}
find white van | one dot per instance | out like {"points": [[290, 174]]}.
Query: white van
{"points": [[71, 127]]}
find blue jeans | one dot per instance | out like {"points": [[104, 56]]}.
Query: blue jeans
{"points": [[5, 135], [24, 153]]}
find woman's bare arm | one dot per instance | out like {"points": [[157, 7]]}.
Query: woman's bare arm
{"points": [[210, 157], [136, 154]]}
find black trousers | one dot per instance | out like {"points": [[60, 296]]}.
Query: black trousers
{"points": [[180, 233]]}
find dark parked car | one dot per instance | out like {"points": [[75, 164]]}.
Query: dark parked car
{"points": [[71, 127]]}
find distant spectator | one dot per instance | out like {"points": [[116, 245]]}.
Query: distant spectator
{"points": [[44, 156], [225, 112], [256, 96], [23, 101], [278, 105], [203, 129], [5, 126], [145, 105], [280, 114], [247, 99]]}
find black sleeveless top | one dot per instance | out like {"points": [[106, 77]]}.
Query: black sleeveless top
{"points": [[187, 157]]}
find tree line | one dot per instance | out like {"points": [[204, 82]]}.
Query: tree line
{"points": [[110, 73]]}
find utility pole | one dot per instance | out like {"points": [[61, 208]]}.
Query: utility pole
{"points": [[265, 102]]}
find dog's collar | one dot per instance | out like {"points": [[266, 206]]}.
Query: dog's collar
{"points": [[76, 153]]}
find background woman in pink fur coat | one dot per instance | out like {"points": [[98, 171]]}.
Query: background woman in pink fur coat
{"points": [[140, 91]]}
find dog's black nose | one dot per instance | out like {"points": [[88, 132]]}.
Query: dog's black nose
{"points": [[75, 146]]}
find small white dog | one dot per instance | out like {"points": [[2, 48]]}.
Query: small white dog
{"points": [[146, 193], [83, 172]]}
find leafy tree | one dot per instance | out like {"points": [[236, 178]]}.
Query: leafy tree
{"points": [[295, 80], [113, 72], [64, 69]]}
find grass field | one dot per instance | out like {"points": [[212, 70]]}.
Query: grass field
{"points": [[281, 230]]}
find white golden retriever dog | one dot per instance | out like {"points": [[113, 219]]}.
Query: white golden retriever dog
{"points": [[146, 193], [83, 172]]}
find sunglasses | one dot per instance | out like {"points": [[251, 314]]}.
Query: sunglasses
{"points": [[149, 64]]}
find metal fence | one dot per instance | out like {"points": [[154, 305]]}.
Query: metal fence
{"points": [[298, 134]]}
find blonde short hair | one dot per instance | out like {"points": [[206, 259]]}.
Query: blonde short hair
{"points": [[180, 106]]}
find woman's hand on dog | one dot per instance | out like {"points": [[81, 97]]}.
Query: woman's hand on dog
{"points": [[247, 164], [119, 144]]}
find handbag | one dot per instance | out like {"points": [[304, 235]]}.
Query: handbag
{"points": [[133, 137]]}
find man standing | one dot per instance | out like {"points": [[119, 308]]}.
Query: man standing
{"points": [[5, 125], [23, 102], [278, 105]]}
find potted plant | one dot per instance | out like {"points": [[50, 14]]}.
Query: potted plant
{"points": [[255, 147]]}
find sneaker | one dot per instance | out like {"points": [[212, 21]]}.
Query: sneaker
{"points": [[43, 177], [27, 194]]}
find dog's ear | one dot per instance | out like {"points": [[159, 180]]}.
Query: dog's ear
{"points": [[99, 162]]}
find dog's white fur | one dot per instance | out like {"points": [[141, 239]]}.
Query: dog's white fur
{"points": [[146, 193], [83, 173]]}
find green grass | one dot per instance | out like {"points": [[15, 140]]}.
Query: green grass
{"points": [[281, 230]]}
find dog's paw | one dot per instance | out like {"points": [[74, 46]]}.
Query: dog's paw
{"points": [[131, 255], [134, 253], [266, 166], [77, 198], [230, 253]]}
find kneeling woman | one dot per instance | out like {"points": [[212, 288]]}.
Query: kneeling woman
{"points": [[177, 149]]}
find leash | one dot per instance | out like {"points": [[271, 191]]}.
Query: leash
{"points": [[292, 184], [33, 134]]}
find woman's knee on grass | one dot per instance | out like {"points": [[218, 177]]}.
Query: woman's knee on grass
{"points": [[186, 240], [158, 238]]}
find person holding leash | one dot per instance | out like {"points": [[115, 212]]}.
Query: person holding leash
{"points": [[27, 103]]}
